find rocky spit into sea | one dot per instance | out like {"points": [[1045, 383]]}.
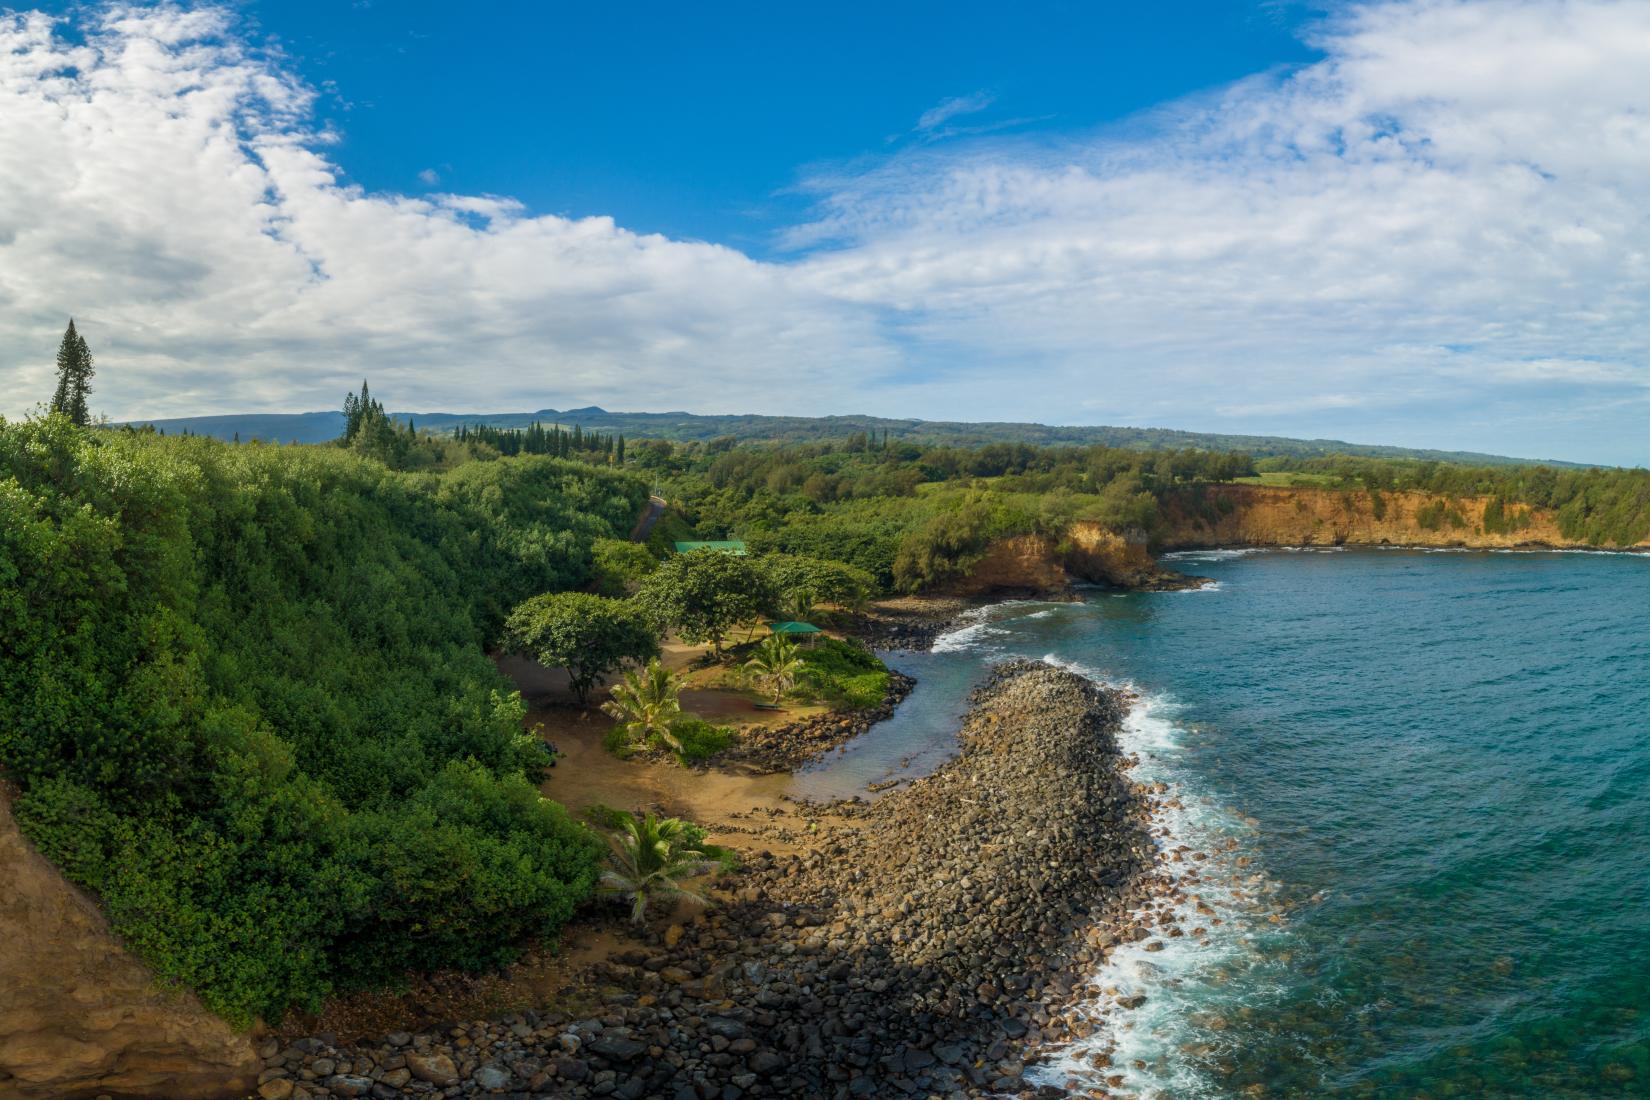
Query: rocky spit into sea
{"points": [[927, 944]]}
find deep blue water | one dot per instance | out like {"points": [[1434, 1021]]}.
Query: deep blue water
{"points": [[1424, 783]]}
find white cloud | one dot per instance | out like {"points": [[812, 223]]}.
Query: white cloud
{"points": [[429, 176], [1435, 235], [160, 184], [948, 109]]}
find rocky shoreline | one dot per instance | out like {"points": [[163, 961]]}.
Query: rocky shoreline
{"points": [[767, 749], [927, 944]]}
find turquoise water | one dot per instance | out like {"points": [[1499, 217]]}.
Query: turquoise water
{"points": [[1423, 784]]}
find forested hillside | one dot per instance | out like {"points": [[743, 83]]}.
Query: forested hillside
{"points": [[245, 697], [319, 427], [919, 516]]}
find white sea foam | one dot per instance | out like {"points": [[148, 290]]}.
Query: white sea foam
{"points": [[964, 637], [1182, 982], [1211, 555], [977, 626]]}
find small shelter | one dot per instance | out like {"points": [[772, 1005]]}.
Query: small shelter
{"points": [[797, 631]]}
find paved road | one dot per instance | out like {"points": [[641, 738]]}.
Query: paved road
{"points": [[650, 515]]}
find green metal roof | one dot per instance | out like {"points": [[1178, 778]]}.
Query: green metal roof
{"points": [[793, 628], [732, 546]]}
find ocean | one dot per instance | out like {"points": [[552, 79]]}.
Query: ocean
{"points": [[1415, 787]]}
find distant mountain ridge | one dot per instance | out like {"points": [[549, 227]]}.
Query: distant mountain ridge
{"points": [[319, 427]]}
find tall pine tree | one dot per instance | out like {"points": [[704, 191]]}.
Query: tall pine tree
{"points": [[74, 376]]}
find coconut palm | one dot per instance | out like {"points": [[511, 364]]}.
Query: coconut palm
{"points": [[651, 857], [777, 663], [647, 703]]}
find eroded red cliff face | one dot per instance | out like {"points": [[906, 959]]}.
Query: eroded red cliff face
{"points": [[1045, 566], [80, 1015], [1258, 515]]}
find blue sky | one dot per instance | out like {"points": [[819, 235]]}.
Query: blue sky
{"points": [[1417, 222], [696, 121]]}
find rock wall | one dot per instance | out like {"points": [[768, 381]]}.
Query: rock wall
{"points": [[1088, 552], [1258, 515], [1023, 563], [80, 1016]]}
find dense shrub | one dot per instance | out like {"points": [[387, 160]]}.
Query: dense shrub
{"points": [[700, 739], [618, 567], [844, 674], [244, 692]]}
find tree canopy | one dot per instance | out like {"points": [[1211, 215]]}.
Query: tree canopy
{"points": [[587, 635], [245, 695], [74, 377], [705, 593]]}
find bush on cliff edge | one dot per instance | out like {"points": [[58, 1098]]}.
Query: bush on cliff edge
{"points": [[244, 691]]}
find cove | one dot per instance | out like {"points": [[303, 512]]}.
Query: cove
{"points": [[1423, 783]]}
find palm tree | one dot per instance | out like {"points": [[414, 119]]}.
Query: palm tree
{"points": [[777, 663], [650, 858], [647, 703]]}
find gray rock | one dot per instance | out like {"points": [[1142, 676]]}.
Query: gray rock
{"points": [[492, 1077], [620, 1049], [349, 1084]]}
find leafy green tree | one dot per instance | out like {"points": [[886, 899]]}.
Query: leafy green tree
{"points": [[802, 583], [646, 704], [777, 664], [705, 593], [618, 566], [650, 860], [588, 635], [74, 376]]}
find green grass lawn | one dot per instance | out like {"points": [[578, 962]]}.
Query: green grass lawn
{"points": [[1287, 479]]}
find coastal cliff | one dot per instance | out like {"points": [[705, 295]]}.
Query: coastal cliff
{"points": [[1259, 515], [1088, 552], [80, 1016]]}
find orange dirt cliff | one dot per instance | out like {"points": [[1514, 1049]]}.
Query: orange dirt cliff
{"points": [[1257, 515], [1044, 566], [80, 1016]]}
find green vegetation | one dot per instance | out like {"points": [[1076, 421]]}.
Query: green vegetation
{"points": [[706, 593], [803, 583], [651, 859], [913, 518], [873, 431], [74, 377], [845, 675], [776, 665], [618, 567], [646, 705], [245, 696], [698, 739], [1600, 507], [589, 636], [536, 439]]}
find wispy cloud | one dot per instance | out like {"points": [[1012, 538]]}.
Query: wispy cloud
{"points": [[1434, 235], [948, 109]]}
